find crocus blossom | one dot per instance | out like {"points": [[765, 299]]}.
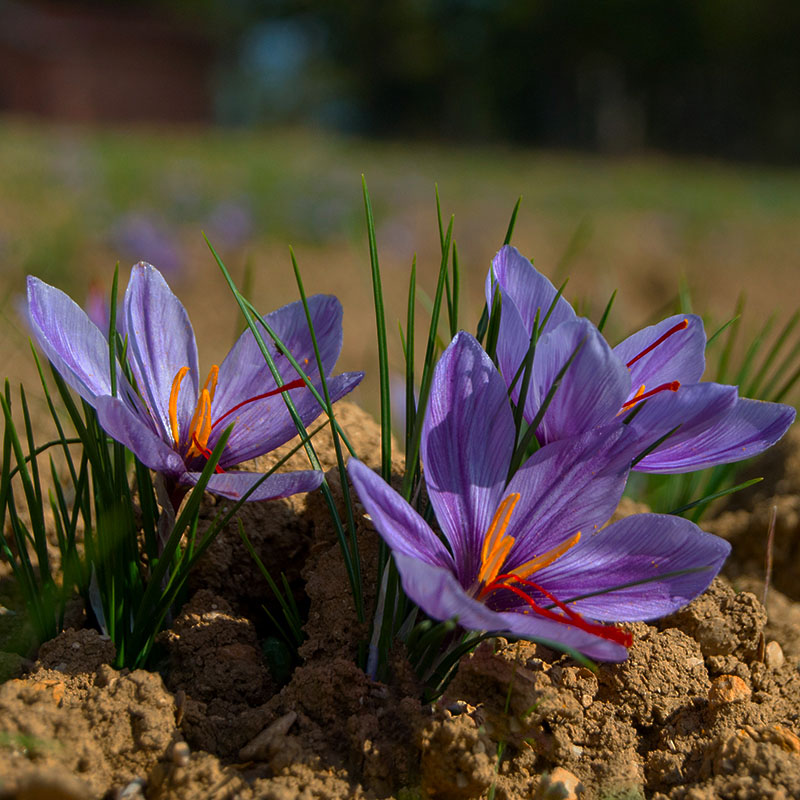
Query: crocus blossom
{"points": [[167, 419], [651, 380], [530, 556]]}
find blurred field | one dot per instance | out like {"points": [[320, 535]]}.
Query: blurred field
{"points": [[74, 202]]}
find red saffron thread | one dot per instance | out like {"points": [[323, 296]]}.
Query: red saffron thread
{"points": [[672, 386], [679, 327], [207, 453], [608, 632], [295, 384]]}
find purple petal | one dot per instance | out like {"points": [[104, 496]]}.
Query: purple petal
{"points": [[680, 357], [398, 523], [466, 447], [280, 484], [528, 288], [437, 591], [161, 342], [644, 547], [73, 343], [565, 487], [591, 392], [266, 424], [244, 373], [692, 409], [748, 429], [119, 422]]}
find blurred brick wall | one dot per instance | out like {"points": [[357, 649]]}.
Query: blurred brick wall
{"points": [[101, 64]]}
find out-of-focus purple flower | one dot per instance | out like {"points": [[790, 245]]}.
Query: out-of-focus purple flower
{"points": [[172, 423], [655, 373], [97, 306], [530, 556], [139, 236], [231, 224]]}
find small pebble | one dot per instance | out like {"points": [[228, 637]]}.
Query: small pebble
{"points": [[728, 689], [560, 784], [773, 655], [181, 754], [133, 791]]}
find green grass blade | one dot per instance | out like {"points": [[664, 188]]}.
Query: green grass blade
{"points": [[383, 351], [412, 453], [715, 496], [337, 445], [529, 438], [752, 351], [493, 327], [607, 311], [718, 332], [411, 410], [353, 576], [725, 357], [294, 634], [512, 222], [657, 443], [753, 389]]}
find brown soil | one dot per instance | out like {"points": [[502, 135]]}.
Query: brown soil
{"points": [[707, 705]]}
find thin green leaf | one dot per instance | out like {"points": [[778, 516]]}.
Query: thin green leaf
{"points": [[383, 352], [657, 443], [725, 357], [607, 311], [529, 437], [714, 336], [753, 390], [715, 496], [512, 222]]}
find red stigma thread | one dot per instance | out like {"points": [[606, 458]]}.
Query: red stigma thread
{"points": [[610, 633], [295, 384], [679, 327], [672, 386], [207, 453]]}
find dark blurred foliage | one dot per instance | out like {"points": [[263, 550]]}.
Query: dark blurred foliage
{"points": [[708, 76], [719, 77]]}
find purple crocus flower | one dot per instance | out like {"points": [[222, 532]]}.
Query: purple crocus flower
{"points": [[661, 364], [171, 422], [529, 556]]}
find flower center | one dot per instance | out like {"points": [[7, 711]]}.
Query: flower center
{"points": [[201, 425], [495, 550], [567, 616]]}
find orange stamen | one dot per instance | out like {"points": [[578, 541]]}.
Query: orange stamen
{"points": [[173, 404], [213, 377], [496, 545], [679, 327], [545, 559], [200, 425], [672, 386]]}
